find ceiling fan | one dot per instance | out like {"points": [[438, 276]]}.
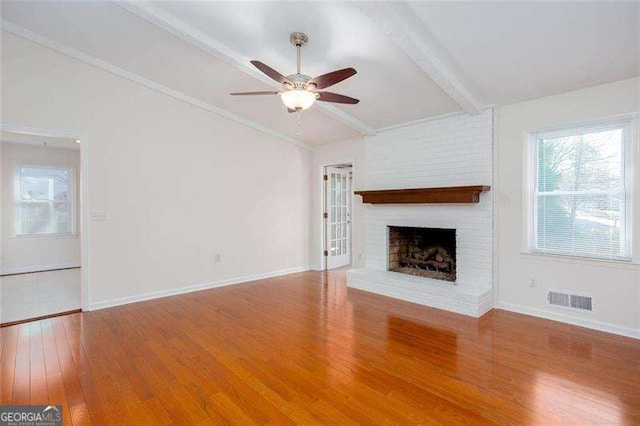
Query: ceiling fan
{"points": [[301, 91]]}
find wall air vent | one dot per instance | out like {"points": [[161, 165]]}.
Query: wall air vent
{"points": [[581, 302], [570, 300], [558, 299]]}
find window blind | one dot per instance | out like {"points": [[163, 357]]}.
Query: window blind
{"points": [[581, 195]]}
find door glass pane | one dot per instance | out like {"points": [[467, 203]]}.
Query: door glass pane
{"points": [[338, 202]]}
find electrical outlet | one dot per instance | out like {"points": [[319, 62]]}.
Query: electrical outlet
{"points": [[217, 258], [531, 282]]}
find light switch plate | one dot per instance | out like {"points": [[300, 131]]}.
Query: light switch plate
{"points": [[99, 216]]}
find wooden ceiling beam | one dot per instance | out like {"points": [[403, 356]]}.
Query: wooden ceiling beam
{"points": [[405, 29]]}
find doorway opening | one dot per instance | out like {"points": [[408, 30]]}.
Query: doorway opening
{"points": [[41, 271], [337, 213]]}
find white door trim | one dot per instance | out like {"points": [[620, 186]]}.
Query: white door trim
{"points": [[84, 198]]}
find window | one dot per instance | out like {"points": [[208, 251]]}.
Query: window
{"points": [[581, 195], [45, 201]]}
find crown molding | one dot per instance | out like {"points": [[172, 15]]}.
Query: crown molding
{"points": [[403, 27], [151, 84], [214, 47]]}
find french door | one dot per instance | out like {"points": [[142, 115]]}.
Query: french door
{"points": [[338, 216]]}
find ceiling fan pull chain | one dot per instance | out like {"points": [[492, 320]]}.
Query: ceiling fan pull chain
{"points": [[298, 122]]}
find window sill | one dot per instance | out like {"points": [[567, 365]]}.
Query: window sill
{"points": [[618, 264]]}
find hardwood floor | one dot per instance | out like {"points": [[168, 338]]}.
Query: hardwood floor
{"points": [[304, 349]]}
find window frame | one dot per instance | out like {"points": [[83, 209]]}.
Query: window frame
{"points": [[630, 123], [17, 191]]}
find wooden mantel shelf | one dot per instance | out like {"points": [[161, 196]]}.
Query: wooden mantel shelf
{"points": [[451, 194]]}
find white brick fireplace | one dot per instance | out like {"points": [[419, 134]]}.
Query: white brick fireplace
{"points": [[453, 151]]}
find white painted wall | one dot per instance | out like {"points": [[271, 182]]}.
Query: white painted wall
{"points": [[180, 184], [26, 254], [452, 151], [351, 151], [614, 286]]}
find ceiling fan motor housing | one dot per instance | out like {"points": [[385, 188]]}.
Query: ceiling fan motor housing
{"points": [[298, 81]]}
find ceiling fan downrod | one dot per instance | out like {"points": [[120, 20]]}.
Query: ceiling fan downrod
{"points": [[298, 40]]}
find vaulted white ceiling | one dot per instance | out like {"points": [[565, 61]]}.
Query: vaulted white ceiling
{"points": [[414, 60], [510, 52]]}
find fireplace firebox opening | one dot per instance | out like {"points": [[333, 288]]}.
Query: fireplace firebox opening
{"points": [[425, 252]]}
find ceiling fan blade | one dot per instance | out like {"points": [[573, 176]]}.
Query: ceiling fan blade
{"points": [[253, 93], [336, 98], [275, 75], [332, 78]]}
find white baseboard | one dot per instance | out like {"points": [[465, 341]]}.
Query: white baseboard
{"points": [[38, 268], [191, 288], [569, 319]]}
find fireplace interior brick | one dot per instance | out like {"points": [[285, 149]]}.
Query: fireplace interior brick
{"points": [[426, 252]]}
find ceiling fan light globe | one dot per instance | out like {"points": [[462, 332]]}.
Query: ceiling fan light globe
{"points": [[298, 99]]}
